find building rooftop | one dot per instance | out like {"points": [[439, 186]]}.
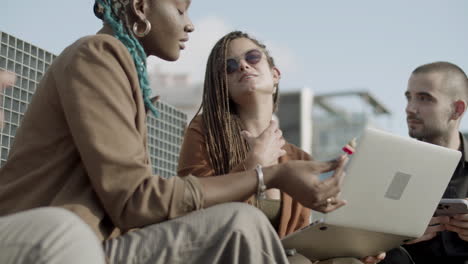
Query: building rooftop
{"points": [[325, 101]]}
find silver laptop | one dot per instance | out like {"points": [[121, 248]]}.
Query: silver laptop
{"points": [[393, 185]]}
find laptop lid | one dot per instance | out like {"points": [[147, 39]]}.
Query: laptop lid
{"points": [[393, 184]]}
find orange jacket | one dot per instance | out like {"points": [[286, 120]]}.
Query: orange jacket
{"points": [[194, 160]]}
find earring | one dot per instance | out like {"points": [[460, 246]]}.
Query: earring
{"points": [[145, 32]]}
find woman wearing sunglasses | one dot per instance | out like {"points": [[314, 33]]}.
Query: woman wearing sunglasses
{"points": [[235, 131]]}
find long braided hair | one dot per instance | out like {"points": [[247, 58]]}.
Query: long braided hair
{"points": [[114, 13], [225, 145]]}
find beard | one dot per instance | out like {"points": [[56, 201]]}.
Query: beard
{"points": [[419, 135], [426, 133], [417, 130]]}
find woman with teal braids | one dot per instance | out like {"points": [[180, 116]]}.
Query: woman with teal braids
{"points": [[112, 14], [82, 146]]}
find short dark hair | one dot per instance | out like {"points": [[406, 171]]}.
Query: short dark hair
{"points": [[455, 79]]}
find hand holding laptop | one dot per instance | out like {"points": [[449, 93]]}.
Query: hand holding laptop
{"points": [[374, 259]]}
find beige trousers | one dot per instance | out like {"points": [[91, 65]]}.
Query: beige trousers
{"points": [[226, 233], [48, 236]]}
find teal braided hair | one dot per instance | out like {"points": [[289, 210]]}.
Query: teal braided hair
{"points": [[114, 15]]}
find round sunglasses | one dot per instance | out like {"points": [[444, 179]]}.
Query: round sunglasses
{"points": [[252, 57]]}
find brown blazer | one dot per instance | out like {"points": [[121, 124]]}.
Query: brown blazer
{"points": [[194, 160], [82, 146]]}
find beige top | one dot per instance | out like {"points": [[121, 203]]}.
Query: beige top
{"points": [[82, 146]]}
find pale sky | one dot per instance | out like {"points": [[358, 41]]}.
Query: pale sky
{"points": [[325, 45]]}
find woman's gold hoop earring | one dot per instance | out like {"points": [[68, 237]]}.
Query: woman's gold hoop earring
{"points": [[145, 32]]}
